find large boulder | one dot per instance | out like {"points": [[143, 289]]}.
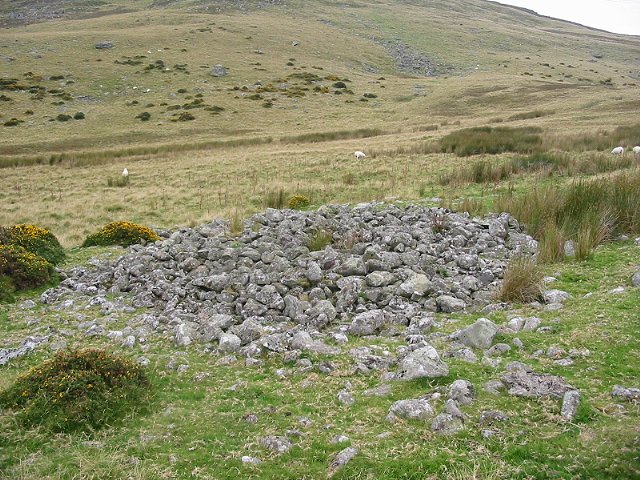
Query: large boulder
{"points": [[367, 323], [522, 383], [479, 335], [418, 409], [423, 362], [449, 304], [218, 71]]}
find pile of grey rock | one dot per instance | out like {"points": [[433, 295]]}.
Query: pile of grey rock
{"points": [[386, 267]]}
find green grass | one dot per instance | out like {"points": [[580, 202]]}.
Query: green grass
{"points": [[235, 152], [199, 427]]}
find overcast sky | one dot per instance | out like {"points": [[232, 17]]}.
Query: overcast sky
{"points": [[619, 16]]}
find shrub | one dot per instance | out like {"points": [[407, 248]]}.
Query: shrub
{"points": [[78, 390], [63, 117], [79, 116], [492, 140], [319, 239], [121, 233], [298, 202], [522, 281], [23, 269], [35, 240], [14, 122], [144, 116]]}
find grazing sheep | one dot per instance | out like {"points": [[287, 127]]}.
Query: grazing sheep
{"points": [[359, 155], [125, 173], [618, 151], [636, 152]]}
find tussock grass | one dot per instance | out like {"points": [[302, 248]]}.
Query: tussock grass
{"points": [[84, 158], [522, 281], [601, 139], [236, 223], [529, 115], [331, 136], [275, 198], [319, 239], [492, 140], [587, 211], [121, 181], [543, 164]]}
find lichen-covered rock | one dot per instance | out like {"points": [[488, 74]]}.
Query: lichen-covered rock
{"points": [[628, 394], [418, 409], [447, 424], [367, 323], [423, 362], [479, 335], [570, 404], [528, 384], [276, 444], [341, 459]]}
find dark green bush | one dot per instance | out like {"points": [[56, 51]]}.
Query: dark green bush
{"points": [[79, 116], [144, 116], [78, 390], [492, 140], [63, 117], [23, 269], [14, 122], [35, 240], [121, 233]]}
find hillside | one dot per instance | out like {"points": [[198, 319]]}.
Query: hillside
{"points": [[459, 302], [466, 61]]}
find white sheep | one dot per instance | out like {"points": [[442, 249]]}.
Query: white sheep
{"points": [[618, 151], [636, 151], [359, 155], [125, 173]]}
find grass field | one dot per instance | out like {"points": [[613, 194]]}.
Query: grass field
{"points": [[279, 124]]}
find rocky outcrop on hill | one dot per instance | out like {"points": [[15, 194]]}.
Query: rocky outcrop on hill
{"points": [[385, 265]]}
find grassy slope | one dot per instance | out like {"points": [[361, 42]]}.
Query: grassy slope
{"points": [[178, 179], [198, 431]]}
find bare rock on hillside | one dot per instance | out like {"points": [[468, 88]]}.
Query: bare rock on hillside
{"points": [[627, 394], [479, 335], [418, 409], [218, 71], [423, 362], [534, 385], [341, 459]]}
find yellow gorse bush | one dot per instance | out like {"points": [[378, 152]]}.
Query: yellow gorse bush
{"points": [[34, 239], [78, 390], [121, 233], [22, 269]]}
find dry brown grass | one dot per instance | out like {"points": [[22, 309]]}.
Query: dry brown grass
{"points": [[187, 172]]}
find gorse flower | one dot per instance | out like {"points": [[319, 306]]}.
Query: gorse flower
{"points": [[121, 233]]}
